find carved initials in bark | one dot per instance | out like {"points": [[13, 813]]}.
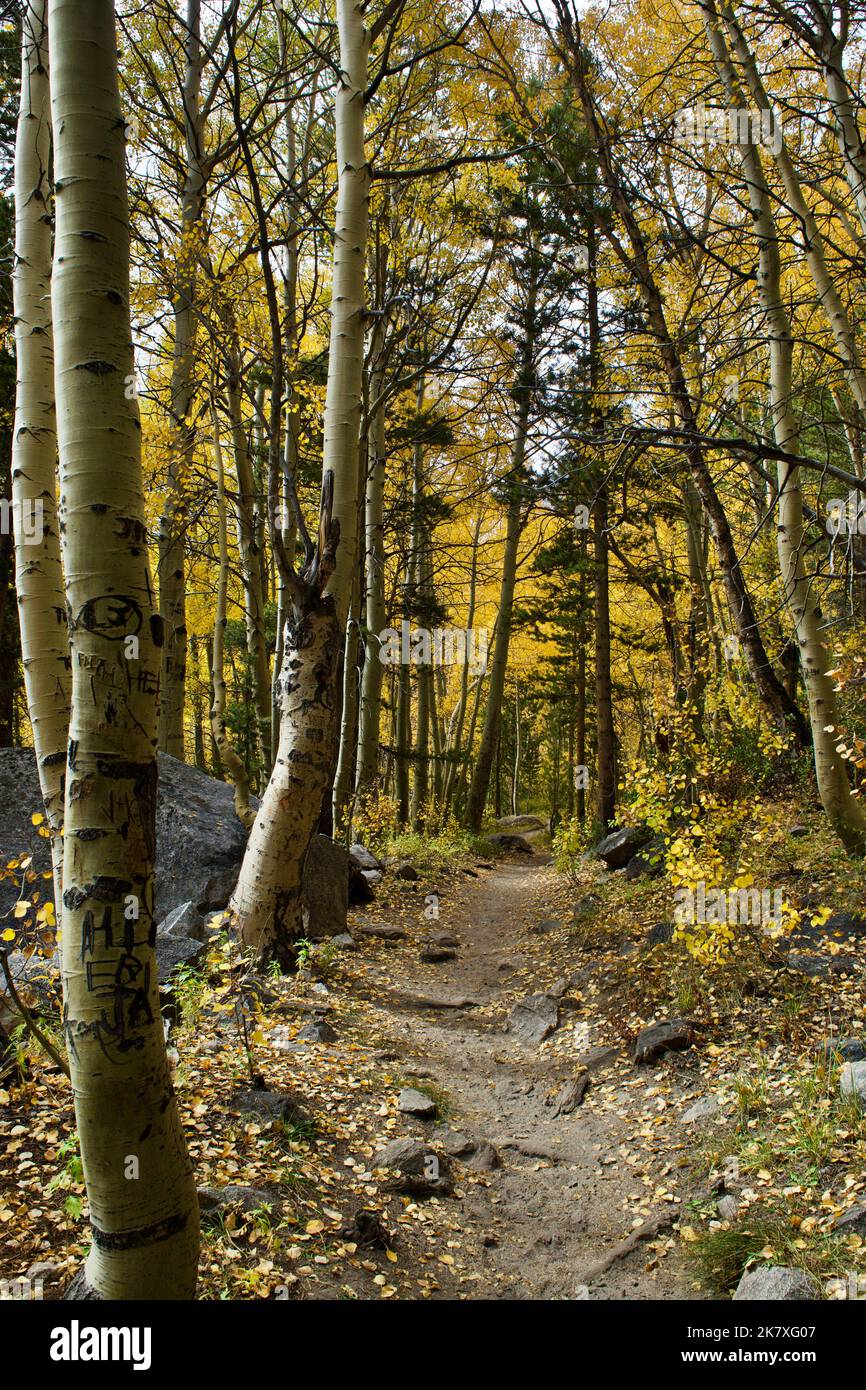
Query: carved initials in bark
{"points": [[267, 899]]}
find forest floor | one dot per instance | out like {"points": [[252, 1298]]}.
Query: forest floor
{"points": [[522, 1185]]}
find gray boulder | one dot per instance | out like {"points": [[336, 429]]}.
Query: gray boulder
{"points": [[199, 839], [507, 843], [616, 849], [521, 823], [364, 858], [174, 951], [325, 889], [648, 862], [185, 920], [777, 1283]]}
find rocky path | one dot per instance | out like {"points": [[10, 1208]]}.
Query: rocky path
{"points": [[561, 1200]]}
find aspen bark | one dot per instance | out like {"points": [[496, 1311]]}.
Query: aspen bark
{"points": [[172, 563], [249, 552], [480, 783], [773, 694], [267, 898], [367, 769], [829, 298], [140, 1187], [844, 812], [232, 764], [38, 570]]}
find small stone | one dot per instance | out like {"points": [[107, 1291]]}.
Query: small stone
{"points": [[405, 1155], [798, 832], [558, 988], [317, 1031], [43, 1269], [345, 941], [270, 1105], [408, 872], [660, 934], [597, 1057], [412, 1102], [213, 1201], [776, 1282], [673, 1036], [848, 1049], [453, 1141], [384, 933], [534, 1018], [444, 938], [852, 1082], [436, 955], [852, 1221], [704, 1109], [728, 1206], [484, 1157], [571, 1095]]}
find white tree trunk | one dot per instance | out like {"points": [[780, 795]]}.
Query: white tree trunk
{"points": [[172, 564], [140, 1187], [232, 764], [38, 571], [266, 900], [800, 588], [829, 298]]}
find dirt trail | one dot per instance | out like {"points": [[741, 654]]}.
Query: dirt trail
{"points": [[560, 1200]]}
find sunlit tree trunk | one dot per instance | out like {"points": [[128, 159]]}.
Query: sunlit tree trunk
{"points": [[829, 298], [231, 763], [480, 782], [38, 572], [267, 899], [799, 587], [367, 769], [784, 710], [249, 553], [172, 563], [140, 1188]]}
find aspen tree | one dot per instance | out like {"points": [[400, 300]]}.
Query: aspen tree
{"points": [[844, 812], [140, 1187], [38, 571], [267, 898], [172, 590], [232, 764]]}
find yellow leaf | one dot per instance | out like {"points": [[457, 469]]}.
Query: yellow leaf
{"points": [[37, 818]]}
